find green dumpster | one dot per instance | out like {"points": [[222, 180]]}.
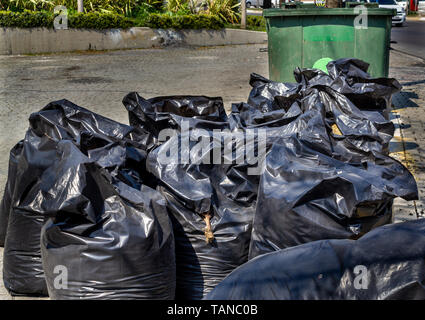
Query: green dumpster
{"points": [[300, 37]]}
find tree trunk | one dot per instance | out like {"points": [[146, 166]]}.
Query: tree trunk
{"points": [[243, 14], [80, 6]]}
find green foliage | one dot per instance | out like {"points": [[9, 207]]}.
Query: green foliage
{"points": [[127, 7], [256, 21], [225, 9], [180, 7], [26, 19], [201, 21], [35, 5], [30, 19], [142, 12], [100, 21]]}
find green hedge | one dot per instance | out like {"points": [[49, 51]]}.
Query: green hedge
{"points": [[201, 21], [92, 20], [256, 21], [26, 19], [100, 21]]}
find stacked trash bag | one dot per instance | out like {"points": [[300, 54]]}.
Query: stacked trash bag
{"points": [[287, 197]]}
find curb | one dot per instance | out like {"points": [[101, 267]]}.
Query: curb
{"points": [[415, 18], [15, 41]]}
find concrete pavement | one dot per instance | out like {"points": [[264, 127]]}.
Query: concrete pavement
{"points": [[98, 81]]}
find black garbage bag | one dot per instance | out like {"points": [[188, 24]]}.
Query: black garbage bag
{"points": [[314, 187], [353, 129], [305, 195], [351, 134], [350, 78], [356, 133], [22, 270], [368, 98], [155, 114], [211, 205], [109, 235], [270, 104], [5, 205], [211, 202], [318, 186], [60, 120], [387, 263], [327, 175], [364, 124]]}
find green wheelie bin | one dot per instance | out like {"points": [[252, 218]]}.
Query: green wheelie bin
{"points": [[302, 37]]}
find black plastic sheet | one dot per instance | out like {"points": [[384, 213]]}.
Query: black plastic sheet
{"points": [[111, 234], [6, 202], [61, 120], [22, 270], [204, 187], [305, 195], [108, 196], [199, 187], [365, 127], [350, 78], [325, 156], [326, 172], [155, 114], [387, 263]]}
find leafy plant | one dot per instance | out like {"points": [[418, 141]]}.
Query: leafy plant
{"points": [[256, 21], [181, 7], [126, 7], [99, 21], [225, 9], [34, 5]]}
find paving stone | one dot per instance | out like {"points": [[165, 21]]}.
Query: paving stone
{"points": [[409, 117]]}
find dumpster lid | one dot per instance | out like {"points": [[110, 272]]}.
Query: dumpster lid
{"points": [[325, 12]]}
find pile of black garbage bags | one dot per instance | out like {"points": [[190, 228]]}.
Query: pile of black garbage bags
{"points": [[272, 197]]}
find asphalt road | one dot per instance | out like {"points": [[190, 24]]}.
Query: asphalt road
{"points": [[410, 38]]}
